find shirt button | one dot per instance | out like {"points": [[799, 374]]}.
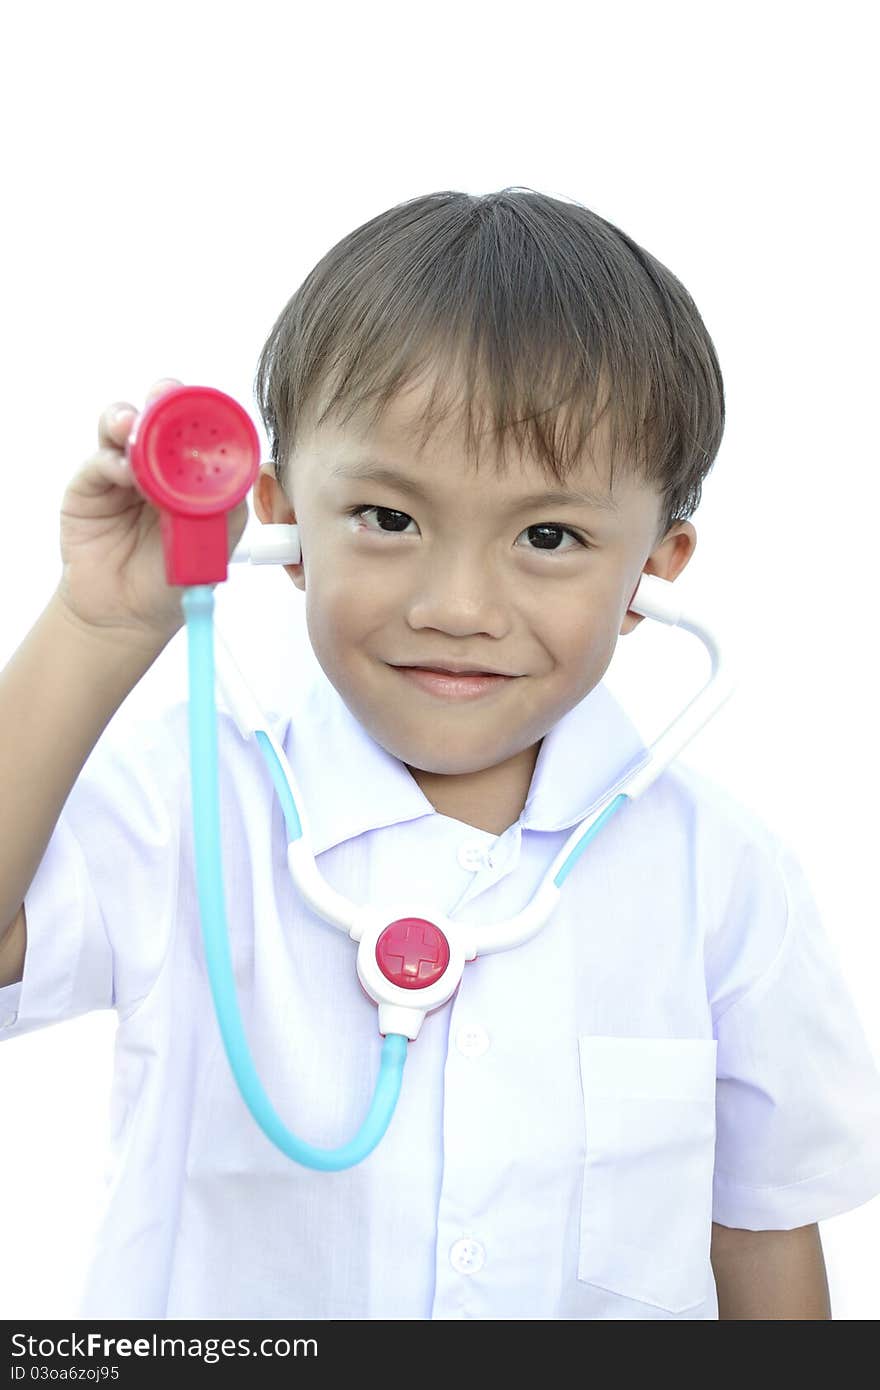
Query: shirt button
{"points": [[473, 856], [9, 1020], [467, 1256], [472, 1040]]}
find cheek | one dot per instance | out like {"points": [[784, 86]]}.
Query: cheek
{"points": [[572, 626], [344, 601], [581, 638]]}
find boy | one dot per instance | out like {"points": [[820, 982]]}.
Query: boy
{"points": [[641, 1113]]}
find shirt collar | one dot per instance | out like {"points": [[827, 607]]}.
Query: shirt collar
{"points": [[349, 783]]}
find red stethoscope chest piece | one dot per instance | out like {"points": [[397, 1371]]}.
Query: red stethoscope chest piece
{"points": [[412, 953]]}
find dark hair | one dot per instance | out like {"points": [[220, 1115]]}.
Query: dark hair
{"points": [[544, 302]]}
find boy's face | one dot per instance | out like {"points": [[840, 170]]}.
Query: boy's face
{"points": [[461, 575]]}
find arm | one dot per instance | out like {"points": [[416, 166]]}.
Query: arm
{"points": [[777, 1275], [58, 692]]}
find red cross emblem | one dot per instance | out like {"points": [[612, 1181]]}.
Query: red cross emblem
{"points": [[412, 953]]}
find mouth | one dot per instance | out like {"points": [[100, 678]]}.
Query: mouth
{"points": [[454, 669], [456, 685]]}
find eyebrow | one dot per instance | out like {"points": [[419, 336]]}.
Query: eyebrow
{"points": [[369, 470]]}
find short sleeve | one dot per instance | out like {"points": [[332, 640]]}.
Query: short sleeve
{"points": [[798, 1087], [101, 903]]}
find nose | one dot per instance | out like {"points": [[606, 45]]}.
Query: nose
{"points": [[460, 593]]}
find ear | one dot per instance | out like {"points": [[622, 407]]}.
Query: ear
{"points": [[272, 504], [667, 560]]}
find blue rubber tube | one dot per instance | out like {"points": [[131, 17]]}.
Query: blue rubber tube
{"points": [[197, 602], [571, 859]]}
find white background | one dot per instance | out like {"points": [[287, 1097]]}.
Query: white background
{"points": [[172, 171]]}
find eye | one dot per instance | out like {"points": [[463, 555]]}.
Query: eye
{"points": [[545, 532], [398, 519]]}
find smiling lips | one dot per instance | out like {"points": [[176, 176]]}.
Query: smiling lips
{"points": [[453, 669], [456, 685]]}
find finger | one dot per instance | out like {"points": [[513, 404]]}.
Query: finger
{"points": [[163, 385], [115, 425], [117, 421], [105, 469]]}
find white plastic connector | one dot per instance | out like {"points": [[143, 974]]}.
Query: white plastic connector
{"points": [[655, 598], [402, 1010], [658, 598], [393, 1018], [321, 897], [500, 936], [275, 543]]}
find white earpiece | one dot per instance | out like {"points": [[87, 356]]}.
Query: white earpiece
{"points": [[273, 544]]}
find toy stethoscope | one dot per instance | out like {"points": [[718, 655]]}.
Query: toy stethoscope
{"points": [[194, 453]]}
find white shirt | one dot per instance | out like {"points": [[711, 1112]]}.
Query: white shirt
{"points": [[676, 1046]]}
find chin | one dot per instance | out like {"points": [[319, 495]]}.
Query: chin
{"points": [[425, 756]]}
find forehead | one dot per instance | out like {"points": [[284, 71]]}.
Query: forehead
{"points": [[437, 452]]}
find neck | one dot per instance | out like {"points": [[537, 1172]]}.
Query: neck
{"points": [[491, 799]]}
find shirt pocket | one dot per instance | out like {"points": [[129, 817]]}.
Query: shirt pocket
{"points": [[646, 1207]]}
